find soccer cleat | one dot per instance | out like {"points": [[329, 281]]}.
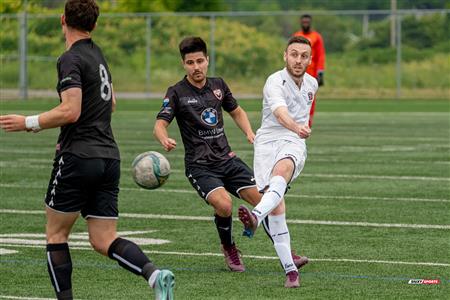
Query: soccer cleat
{"points": [[164, 284], [299, 261], [249, 220], [292, 279], [233, 258]]}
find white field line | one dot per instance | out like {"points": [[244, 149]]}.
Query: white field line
{"points": [[319, 150], [319, 175], [7, 251], [311, 259], [369, 261], [182, 191], [356, 176], [291, 221], [45, 164], [24, 298]]}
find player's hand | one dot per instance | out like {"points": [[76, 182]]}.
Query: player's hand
{"points": [[251, 137], [169, 144], [319, 78], [12, 123], [304, 131]]}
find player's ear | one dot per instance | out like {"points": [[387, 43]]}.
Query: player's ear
{"points": [[284, 56], [63, 20]]}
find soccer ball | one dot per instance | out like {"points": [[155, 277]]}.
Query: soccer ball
{"points": [[150, 170]]}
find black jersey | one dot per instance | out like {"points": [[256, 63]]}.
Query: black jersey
{"points": [[199, 116], [84, 66]]}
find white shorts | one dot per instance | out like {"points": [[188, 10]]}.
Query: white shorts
{"points": [[267, 154]]}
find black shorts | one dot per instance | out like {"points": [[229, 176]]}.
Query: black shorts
{"points": [[234, 175], [86, 185]]}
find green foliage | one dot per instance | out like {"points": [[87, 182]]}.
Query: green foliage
{"points": [[332, 5], [164, 5], [417, 31], [425, 31], [9, 36], [247, 49], [8, 7]]}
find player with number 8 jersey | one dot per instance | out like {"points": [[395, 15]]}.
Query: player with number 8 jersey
{"points": [[86, 169]]}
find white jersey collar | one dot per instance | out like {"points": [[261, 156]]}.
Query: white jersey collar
{"points": [[286, 76]]}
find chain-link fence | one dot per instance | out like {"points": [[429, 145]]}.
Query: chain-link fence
{"points": [[370, 54]]}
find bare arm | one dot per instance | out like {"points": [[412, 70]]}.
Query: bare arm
{"points": [[283, 117], [113, 99], [161, 134], [240, 118], [68, 111]]}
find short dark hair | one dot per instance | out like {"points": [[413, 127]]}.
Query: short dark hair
{"points": [[298, 39], [192, 44], [306, 16], [81, 14]]}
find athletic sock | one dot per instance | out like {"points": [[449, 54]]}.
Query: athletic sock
{"points": [[59, 265], [130, 257], [224, 228], [266, 227], [282, 241], [271, 198]]}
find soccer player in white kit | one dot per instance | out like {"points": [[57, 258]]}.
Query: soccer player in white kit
{"points": [[280, 148]]}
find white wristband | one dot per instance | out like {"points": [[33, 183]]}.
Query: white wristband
{"points": [[32, 122]]}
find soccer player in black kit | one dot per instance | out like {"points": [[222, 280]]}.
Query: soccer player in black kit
{"points": [[86, 169], [211, 167]]}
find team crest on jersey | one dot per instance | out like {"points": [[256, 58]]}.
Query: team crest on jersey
{"points": [[209, 117], [218, 94], [310, 98], [165, 102]]}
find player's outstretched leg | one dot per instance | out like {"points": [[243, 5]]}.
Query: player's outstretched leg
{"points": [[271, 199]]}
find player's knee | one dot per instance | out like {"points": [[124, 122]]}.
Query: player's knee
{"points": [[57, 238], [100, 245], [284, 168], [224, 208]]}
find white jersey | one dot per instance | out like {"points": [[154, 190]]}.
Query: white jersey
{"points": [[281, 90]]}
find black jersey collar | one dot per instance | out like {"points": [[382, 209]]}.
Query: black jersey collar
{"points": [[206, 86], [82, 41]]}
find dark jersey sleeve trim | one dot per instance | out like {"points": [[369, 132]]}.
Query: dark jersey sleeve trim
{"points": [[70, 86]]}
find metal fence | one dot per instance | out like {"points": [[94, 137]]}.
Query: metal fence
{"points": [[365, 51]]}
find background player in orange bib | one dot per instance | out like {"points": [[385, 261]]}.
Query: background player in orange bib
{"points": [[317, 66]]}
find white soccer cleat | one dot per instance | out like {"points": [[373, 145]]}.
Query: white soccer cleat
{"points": [[164, 283]]}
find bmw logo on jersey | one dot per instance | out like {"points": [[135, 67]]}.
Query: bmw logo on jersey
{"points": [[209, 116]]}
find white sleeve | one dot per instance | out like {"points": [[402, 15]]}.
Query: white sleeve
{"points": [[274, 94], [316, 86]]}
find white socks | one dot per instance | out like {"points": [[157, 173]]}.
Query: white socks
{"points": [[282, 241], [271, 198]]}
